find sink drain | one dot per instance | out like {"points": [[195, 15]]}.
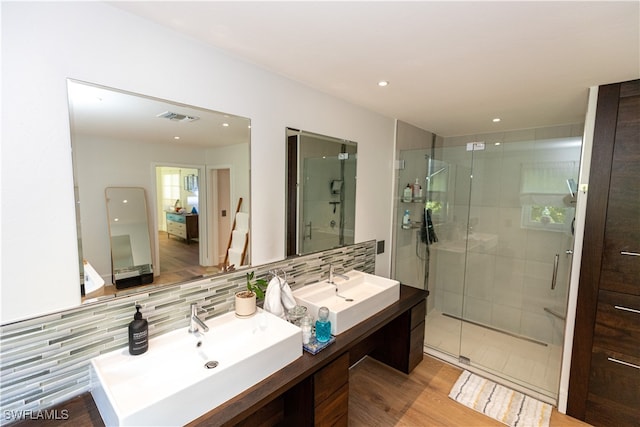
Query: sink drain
{"points": [[211, 364]]}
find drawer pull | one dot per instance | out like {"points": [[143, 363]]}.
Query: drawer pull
{"points": [[629, 253], [633, 310], [622, 362]]}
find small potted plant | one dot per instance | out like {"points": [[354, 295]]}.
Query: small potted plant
{"points": [[246, 300]]}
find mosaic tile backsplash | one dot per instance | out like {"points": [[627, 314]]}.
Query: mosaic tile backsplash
{"points": [[45, 361]]}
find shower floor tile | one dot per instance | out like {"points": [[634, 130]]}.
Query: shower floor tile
{"points": [[529, 364]]}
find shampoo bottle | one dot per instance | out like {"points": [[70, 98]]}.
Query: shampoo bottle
{"points": [[138, 334], [417, 190], [406, 220], [406, 194]]}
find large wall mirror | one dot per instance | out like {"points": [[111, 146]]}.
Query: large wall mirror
{"points": [[321, 192], [192, 163]]}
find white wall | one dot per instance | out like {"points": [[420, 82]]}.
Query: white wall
{"points": [[102, 163], [43, 44]]}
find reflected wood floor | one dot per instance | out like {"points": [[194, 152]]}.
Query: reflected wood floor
{"points": [[380, 396], [179, 262]]}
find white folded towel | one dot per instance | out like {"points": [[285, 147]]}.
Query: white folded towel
{"points": [[235, 257], [238, 239], [272, 299], [288, 301], [242, 221]]}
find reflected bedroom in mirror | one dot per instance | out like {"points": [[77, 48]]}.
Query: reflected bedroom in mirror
{"points": [[321, 192], [185, 168]]}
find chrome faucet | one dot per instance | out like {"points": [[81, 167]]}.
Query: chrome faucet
{"points": [[332, 273], [195, 321]]}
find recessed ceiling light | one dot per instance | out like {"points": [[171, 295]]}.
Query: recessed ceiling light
{"points": [[383, 83], [496, 120], [125, 201], [176, 137], [496, 144], [225, 125]]}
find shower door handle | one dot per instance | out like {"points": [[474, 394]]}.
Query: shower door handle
{"points": [[554, 278]]}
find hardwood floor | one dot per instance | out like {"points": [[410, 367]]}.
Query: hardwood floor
{"points": [[381, 396]]}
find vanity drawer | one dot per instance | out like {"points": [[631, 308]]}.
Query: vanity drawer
{"points": [[331, 393], [618, 323], [331, 378], [614, 389], [418, 313]]}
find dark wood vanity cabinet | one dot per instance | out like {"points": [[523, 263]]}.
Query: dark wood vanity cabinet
{"points": [[314, 389], [321, 399], [604, 385], [402, 343], [331, 393]]}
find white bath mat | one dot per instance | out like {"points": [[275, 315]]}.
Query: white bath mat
{"points": [[500, 403]]}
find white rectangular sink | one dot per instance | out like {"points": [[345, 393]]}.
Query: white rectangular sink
{"points": [[170, 385], [369, 294]]}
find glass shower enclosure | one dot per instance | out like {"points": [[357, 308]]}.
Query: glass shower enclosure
{"points": [[491, 239]]}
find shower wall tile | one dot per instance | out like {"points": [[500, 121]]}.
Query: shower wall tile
{"points": [[450, 268], [509, 185], [480, 275], [542, 245], [478, 310], [45, 360], [509, 282], [520, 135], [564, 131], [487, 177], [512, 239], [506, 318], [537, 292], [537, 326], [452, 303]]}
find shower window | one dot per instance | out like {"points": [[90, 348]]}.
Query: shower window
{"points": [[549, 218], [545, 195]]}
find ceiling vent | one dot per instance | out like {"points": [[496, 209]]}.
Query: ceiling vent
{"points": [[177, 117]]}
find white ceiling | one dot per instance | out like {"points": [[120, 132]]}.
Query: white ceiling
{"points": [[452, 66], [115, 114]]}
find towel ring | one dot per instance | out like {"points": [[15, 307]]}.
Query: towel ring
{"points": [[274, 274]]}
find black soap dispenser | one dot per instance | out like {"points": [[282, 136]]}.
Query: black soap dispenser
{"points": [[138, 333]]}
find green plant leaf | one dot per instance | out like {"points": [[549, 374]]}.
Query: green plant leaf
{"points": [[257, 286]]}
